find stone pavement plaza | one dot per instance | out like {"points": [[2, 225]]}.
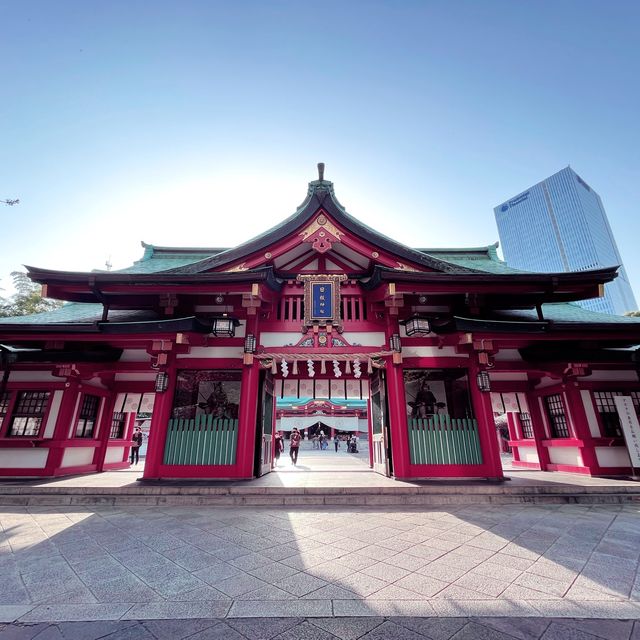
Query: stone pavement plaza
{"points": [[480, 571]]}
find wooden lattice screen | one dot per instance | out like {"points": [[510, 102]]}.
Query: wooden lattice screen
{"points": [[204, 440], [444, 440]]}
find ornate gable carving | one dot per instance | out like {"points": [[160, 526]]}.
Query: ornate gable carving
{"points": [[321, 233]]}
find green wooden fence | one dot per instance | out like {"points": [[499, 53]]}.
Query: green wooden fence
{"points": [[203, 440], [444, 440]]}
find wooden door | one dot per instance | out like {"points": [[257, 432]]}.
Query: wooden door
{"points": [[379, 425], [266, 422]]}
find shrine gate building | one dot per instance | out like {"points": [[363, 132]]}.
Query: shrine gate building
{"points": [[427, 349]]}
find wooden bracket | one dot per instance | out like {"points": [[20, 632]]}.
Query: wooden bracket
{"points": [[169, 302], [158, 346]]}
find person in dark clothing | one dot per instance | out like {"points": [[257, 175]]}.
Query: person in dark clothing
{"points": [[136, 439], [294, 445], [278, 447], [336, 442]]}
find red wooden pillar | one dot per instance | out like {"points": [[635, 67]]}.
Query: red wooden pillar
{"points": [[247, 413], [162, 406], [398, 425], [538, 430], [580, 424], [370, 429], [63, 425], [398, 421], [104, 431], [247, 419], [481, 401]]}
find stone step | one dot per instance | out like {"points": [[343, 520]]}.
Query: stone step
{"points": [[431, 495]]}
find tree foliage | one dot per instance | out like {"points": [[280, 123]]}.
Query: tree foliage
{"points": [[633, 314], [27, 299]]}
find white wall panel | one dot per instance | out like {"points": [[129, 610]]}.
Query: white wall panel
{"points": [[53, 414], [23, 458], [76, 456], [613, 457]]}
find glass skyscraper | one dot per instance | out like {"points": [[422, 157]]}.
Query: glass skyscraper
{"points": [[560, 224]]}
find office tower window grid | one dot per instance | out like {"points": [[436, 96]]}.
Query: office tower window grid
{"points": [[558, 225]]}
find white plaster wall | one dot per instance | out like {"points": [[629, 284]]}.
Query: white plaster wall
{"points": [[23, 458], [613, 457], [613, 376], [508, 376], [135, 355], [72, 426], [135, 377], [594, 429], [431, 352], [276, 339], [363, 425], [366, 338], [32, 376], [96, 428], [74, 456], [528, 454], [565, 455], [546, 382], [94, 382], [509, 355], [213, 352], [524, 405], [53, 414], [545, 420], [114, 454]]}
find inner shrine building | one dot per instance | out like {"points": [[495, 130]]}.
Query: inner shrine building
{"points": [[434, 357]]}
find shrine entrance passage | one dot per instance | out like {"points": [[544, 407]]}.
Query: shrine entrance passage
{"points": [[353, 410]]}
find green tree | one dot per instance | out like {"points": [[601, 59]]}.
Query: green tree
{"points": [[633, 314], [27, 299]]}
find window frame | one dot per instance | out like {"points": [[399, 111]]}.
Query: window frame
{"points": [[635, 398], [10, 415], [84, 418], [564, 415], [121, 416]]}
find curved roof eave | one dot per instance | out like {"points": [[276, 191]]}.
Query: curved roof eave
{"points": [[93, 278]]}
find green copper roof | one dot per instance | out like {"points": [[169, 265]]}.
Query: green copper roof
{"points": [[480, 258], [157, 259], [566, 312], [77, 313]]}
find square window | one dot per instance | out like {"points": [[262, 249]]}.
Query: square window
{"points": [[85, 425], [28, 413], [557, 416]]}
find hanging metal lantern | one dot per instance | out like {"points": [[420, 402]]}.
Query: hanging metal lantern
{"points": [[484, 381], [224, 327], [417, 326]]}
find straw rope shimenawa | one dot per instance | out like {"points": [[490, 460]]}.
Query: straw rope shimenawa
{"points": [[373, 360], [322, 356]]}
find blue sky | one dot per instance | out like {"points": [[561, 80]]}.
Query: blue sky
{"points": [[200, 123]]}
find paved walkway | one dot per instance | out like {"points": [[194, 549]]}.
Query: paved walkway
{"points": [[458, 572], [64, 564], [374, 628]]}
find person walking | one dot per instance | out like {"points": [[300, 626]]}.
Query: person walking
{"points": [[278, 447], [136, 440], [336, 442], [294, 445]]}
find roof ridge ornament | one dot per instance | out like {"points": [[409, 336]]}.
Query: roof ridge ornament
{"points": [[320, 187]]}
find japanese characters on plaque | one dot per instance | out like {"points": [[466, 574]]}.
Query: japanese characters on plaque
{"points": [[630, 427], [322, 299]]}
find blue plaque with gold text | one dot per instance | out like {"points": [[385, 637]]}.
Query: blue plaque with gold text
{"points": [[322, 300]]}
